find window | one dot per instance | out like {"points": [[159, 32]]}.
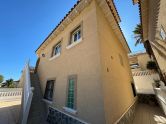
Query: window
{"points": [[134, 66], [76, 35], [121, 60], [162, 33], [48, 95], [56, 49], [71, 93]]}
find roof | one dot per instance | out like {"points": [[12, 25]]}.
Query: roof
{"points": [[59, 23], [135, 1], [112, 9], [137, 53]]}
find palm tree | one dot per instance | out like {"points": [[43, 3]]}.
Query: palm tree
{"points": [[9, 82], [138, 34]]}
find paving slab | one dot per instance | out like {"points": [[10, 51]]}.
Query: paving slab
{"points": [[9, 112], [148, 114]]}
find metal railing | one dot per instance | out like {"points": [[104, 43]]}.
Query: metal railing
{"points": [[58, 117], [27, 94], [161, 95]]}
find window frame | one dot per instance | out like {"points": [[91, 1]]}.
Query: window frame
{"points": [[53, 49], [75, 29], [75, 92], [44, 96]]}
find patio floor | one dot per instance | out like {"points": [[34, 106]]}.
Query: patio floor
{"points": [[147, 114], [9, 112]]}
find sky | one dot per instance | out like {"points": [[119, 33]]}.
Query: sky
{"points": [[24, 24]]}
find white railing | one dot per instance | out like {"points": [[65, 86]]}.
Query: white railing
{"points": [[144, 80], [27, 94], [10, 94], [143, 73], [161, 95]]}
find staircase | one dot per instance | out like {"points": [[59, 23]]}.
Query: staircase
{"points": [[37, 113]]}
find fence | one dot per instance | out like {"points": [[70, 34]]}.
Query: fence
{"points": [[27, 94], [10, 94], [143, 81]]}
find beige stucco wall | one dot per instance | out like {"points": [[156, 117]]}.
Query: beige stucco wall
{"points": [[161, 22], [161, 60], [143, 60], [83, 60], [156, 20], [102, 97], [116, 79]]}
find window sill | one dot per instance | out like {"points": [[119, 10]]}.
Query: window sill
{"points": [[54, 57], [72, 111], [74, 44], [47, 101]]}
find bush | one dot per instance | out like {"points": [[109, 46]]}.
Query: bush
{"points": [[1, 78], [151, 65]]}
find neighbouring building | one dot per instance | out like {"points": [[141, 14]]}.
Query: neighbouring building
{"points": [[152, 14], [138, 61], [83, 67], [143, 77]]}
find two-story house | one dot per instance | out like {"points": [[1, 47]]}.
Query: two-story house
{"points": [[84, 69]]}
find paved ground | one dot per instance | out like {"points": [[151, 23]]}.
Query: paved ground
{"points": [[146, 114], [9, 112]]}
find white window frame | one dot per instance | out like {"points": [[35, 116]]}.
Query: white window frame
{"points": [[73, 43], [54, 54], [54, 49], [75, 32]]}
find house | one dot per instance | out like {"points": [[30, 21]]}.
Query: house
{"points": [[138, 61], [143, 77], [83, 67], [152, 14]]}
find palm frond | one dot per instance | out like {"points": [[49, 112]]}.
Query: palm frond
{"points": [[138, 34]]}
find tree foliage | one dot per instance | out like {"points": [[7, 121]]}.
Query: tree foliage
{"points": [[138, 34], [1, 78], [151, 65], [10, 83]]}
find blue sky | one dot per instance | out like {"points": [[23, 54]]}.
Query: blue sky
{"points": [[25, 24]]}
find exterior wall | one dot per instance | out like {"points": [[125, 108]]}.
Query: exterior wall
{"points": [[161, 23], [161, 60], [156, 20], [133, 59], [140, 59], [118, 96], [83, 60], [143, 60]]}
